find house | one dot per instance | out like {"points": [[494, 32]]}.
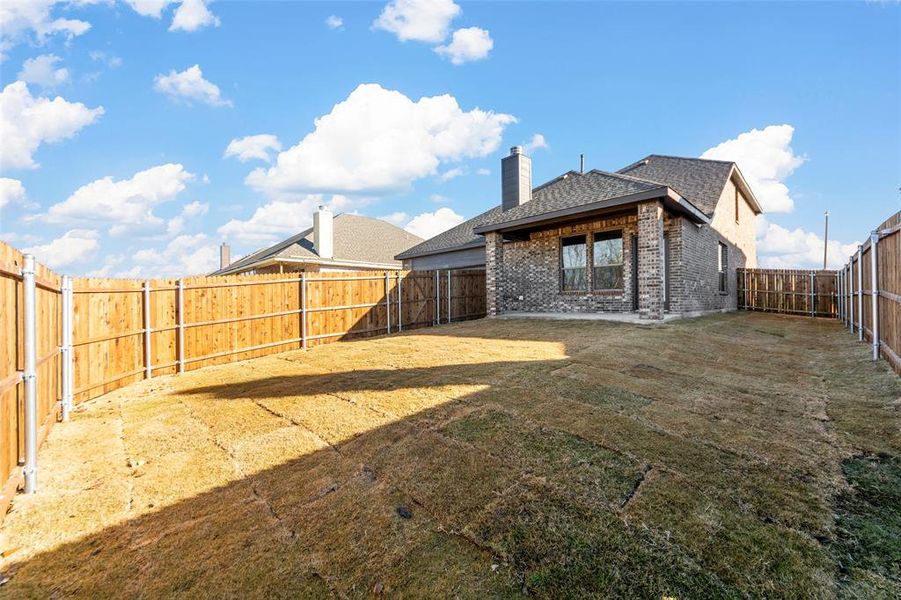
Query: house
{"points": [[662, 235], [344, 242]]}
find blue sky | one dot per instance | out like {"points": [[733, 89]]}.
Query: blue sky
{"points": [[417, 102]]}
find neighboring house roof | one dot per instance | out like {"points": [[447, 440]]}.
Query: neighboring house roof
{"points": [[690, 185], [357, 239], [700, 180]]}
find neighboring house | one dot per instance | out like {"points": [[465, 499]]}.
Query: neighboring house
{"points": [[665, 234], [334, 243]]}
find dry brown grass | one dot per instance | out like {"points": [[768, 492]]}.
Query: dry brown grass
{"points": [[552, 458]]}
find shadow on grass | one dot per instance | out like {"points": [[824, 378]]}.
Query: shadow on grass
{"points": [[535, 484]]}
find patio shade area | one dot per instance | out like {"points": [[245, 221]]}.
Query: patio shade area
{"points": [[731, 455]]}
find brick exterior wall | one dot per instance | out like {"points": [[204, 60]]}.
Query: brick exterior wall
{"points": [[494, 273], [530, 271], [650, 260]]}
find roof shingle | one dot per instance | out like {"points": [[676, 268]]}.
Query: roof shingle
{"points": [[357, 239]]}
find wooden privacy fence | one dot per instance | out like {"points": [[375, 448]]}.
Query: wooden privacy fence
{"points": [[870, 292], [789, 291], [91, 336]]}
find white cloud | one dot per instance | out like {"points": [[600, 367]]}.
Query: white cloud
{"points": [[253, 146], [379, 140], [438, 198], [399, 218], [195, 209], [11, 191], [26, 122], [779, 247], [110, 60], [428, 225], [189, 86], [451, 174], [74, 247], [149, 8], [467, 45], [766, 159], [42, 71], [184, 255], [335, 22], [16, 238], [126, 204], [536, 143], [419, 20], [20, 20], [483, 172], [278, 219], [192, 15]]}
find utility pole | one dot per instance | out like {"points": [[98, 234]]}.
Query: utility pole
{"points": [[826, 240]]}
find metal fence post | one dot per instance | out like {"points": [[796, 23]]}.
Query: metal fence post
{"points": [[29, 376], [874, 274], [388, 300], [448, 296], [66, 349], [813, 298], [437, 297], [180, 302], [303, 310], [860, 293], [851, 294], [400, 322], [148, 367]]}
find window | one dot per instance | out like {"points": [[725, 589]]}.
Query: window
{"points": [[737, 202], [608, 260], [723, 265], [574, 264]]}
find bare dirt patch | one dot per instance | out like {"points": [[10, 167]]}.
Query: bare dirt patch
{"points": [[737, 455]]}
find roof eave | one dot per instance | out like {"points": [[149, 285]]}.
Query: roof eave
{"points": [[671, 199], [752, 199], [467, 246], [316, 261]]}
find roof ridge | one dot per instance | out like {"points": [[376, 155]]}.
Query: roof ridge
{"points": [[626, 177]]}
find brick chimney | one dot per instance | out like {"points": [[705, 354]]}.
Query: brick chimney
{"points": [[516, 179], [225, 255], [324, 233]]}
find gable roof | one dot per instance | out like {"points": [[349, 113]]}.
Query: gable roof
{"points": [[357, 239], [691, 185], [699, 179]]}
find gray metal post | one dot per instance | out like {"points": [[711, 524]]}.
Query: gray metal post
{"points": [[29, 375], [860, 293], [181, 325], [388, 300], [66, 357], [874, 274], [813, 298], [400, 322], [841, 296], [851, 294], [148, 367], [437, 297], [448, 296], [303, 310]]}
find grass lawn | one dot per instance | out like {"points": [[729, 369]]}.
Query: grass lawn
{"points": [[729, 456]]}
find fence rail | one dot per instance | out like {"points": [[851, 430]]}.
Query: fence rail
{"points": [[789, 291], [95, 335], [870, 292]]}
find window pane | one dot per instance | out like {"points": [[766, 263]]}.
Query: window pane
{"points": [[608, 248], [574, 252], [608, 278], [574, 279]]}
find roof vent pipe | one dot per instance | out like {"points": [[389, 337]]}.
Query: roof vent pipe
{"points": [[323, 233], [582, 164], [516, 179]]}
